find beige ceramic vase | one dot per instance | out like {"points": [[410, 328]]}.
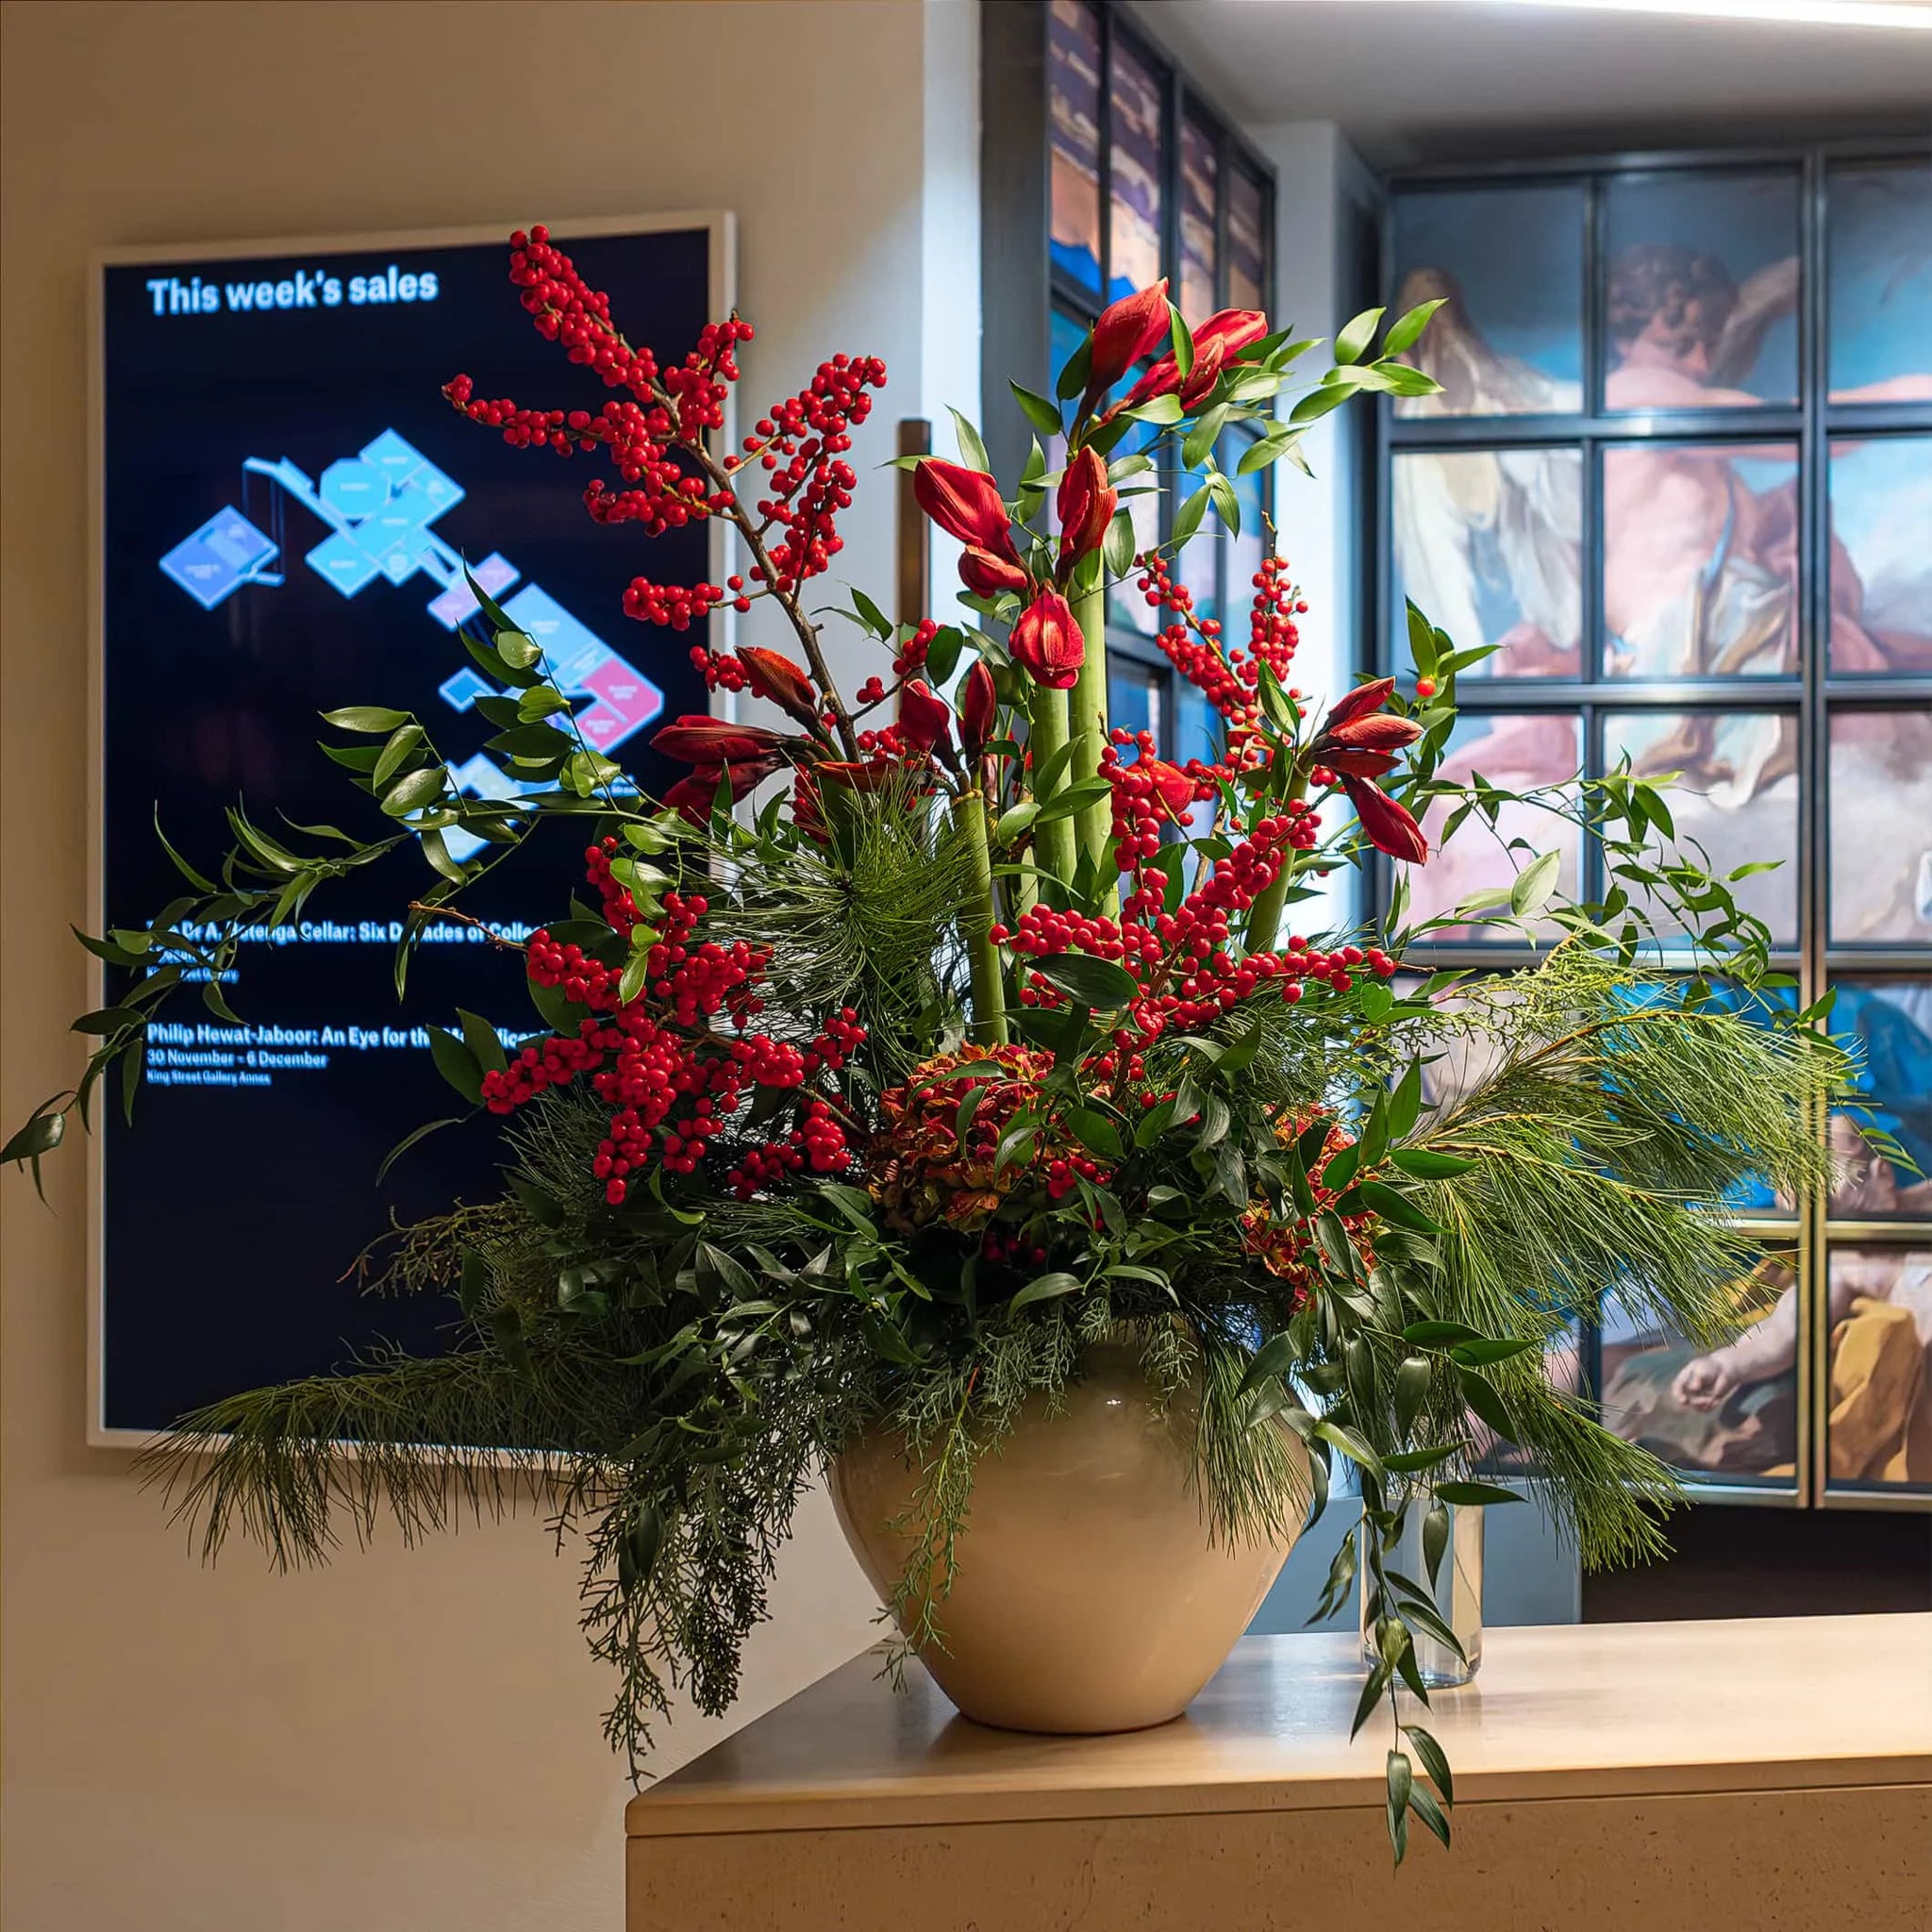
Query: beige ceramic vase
{"points": [[1089, 1595]]}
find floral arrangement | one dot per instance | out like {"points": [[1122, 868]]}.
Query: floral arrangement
{"points": [[919, 1038]]}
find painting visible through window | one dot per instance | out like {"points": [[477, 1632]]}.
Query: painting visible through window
{"points": [[1073, 53], [1701, 292], [1700, 559], [1879, 242], [1135, 166], [1696, 527], [1523, 752], [1247, 241], [1881, 825], [1200, 196], [1878, 1415], [1508, 264], [1490, 543], [1881, 554], [1147, 182], [1727, 1412]]}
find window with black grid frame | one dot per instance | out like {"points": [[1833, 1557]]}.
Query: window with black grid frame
{"points": [[1145, 181], [1680, 477]]}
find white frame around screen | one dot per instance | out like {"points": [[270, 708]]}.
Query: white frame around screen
{"points": [[721, 229]]}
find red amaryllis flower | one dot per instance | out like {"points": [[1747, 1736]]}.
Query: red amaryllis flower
{"points": [[965, 504], [1388, 824], [979, 704], [1127, 329], [703, 741], [1046, 642], [987, 576], [693, 794], [924, 720], [773, 676], [1221, 337], [1085, 506]]}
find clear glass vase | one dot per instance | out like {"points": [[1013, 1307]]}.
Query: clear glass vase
{"points": [[1456, 1592]]}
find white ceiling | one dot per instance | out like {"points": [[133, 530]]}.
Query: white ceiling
{"points": [[1421, 80]]}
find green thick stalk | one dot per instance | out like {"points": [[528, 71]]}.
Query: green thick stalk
{"points": [[1087, 721], [1264, 915], [1054, 843], [976, 923]]}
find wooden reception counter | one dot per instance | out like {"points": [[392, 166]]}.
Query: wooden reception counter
{"points": [[1747, 1776]]}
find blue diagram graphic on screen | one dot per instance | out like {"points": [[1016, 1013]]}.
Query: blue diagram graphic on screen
{"points": [[380, 505]]}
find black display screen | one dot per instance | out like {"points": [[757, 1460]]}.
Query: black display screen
{"points": [[288, 506]]}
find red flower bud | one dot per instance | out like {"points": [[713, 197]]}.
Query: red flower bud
{"points": [[1203, 375], [874, 775], [1218, 340], [1388, 827], [1046, 642], [924, 720], [979, 704], [1085, 506], [1375, 731], [693, 794], [808, 795], [965, 504], [773, 676], [1127, 329], [1362, 764], [987, 576], [1363, 698], [705, 740]]}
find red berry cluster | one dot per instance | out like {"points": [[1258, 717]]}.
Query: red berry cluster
{"points": [[823, 1139], [701, 384], [567, 310], [673, 605], [1065, 1172], [1229, 678], [1271, 632], [671, 1080], [721, 670], [1003, 1246], [1147, 794], [655, 438], [1182, 959], [522, 428], [802, 446], [912, 652], [1199, 658], [819, 1143], [843, 1036], [620, 908]]}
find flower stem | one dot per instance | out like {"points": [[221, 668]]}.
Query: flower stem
{"points": [[1264, 915], [1052, 844], [976, 923], [1087, 722]]}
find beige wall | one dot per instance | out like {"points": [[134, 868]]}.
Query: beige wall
{"points": [[409, 1739]]}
